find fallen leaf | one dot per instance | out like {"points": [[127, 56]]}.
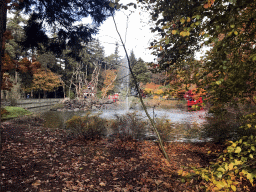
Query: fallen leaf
{"points": [[158, 182], [36, 183], [102, 184]]}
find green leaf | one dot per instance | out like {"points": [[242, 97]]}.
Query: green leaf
{"points": [[197, 23], [253, 148], [205, 177], [124, 7], [111, 4], [219, 175], [232, 26], [218, 82], [251, 156], [118, 6]]}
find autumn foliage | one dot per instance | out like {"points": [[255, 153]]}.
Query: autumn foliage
{"points": [[110, 77], [45, 80]]}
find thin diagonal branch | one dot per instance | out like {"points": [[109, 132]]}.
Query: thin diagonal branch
{"points": [[141, 100]]}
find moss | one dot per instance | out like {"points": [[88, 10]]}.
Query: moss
{"points": [[14, 112]]}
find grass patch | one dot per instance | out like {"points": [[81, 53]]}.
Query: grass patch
{"points": [[14, 112]]}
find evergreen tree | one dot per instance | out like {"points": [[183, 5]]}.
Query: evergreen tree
{"points": [[132, 59], [141, 72], [14, 25]]}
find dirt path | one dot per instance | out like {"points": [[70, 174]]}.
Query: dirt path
{"points": [[41, 159]]}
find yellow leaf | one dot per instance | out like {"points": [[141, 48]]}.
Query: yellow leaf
{"points": [[182, 20], [161, 48], [221, 169], [174, 32], [220, 184], [188, 19], [230, 166], [238, 150], [233, 187], [250, 177]]}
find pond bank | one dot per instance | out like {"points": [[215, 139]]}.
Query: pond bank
{"points": [[37, 158]]}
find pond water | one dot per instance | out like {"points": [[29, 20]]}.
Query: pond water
{"points": [[174, 115], [179, 117]]}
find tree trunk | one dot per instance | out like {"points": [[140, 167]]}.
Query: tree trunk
{"points": [[3, 16]]}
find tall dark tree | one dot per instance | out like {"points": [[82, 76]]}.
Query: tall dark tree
{"points": [[113, 61], [59, 15], [141, 72], [59, 18], [14, 25], [132, 59]]}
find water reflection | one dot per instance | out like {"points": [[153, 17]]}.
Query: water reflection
{"points": [[174, 115], [57, 119]]}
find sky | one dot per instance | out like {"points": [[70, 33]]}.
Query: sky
{"points": [[134, 28]]}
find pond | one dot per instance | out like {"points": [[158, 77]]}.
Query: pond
{"points": [[180, 118]]}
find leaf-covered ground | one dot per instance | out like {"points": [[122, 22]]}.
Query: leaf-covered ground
{"points": [[36, 158]]}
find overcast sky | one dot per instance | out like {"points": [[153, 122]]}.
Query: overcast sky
{"points": [[134, 27]]}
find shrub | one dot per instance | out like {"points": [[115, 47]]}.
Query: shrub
{"points": [[156, 97], [164, 126], [89, 127], [159, 92], [129, 126], [234, 169], [70, 94], [222, 127], [148, 90]]}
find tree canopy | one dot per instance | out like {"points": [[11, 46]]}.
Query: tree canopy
{"points": [[228, 70]]}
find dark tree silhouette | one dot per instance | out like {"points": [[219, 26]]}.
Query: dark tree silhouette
{"points": [[57, 17]]}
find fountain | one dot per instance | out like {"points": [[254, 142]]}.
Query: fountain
{"points": [[127, 79]]}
